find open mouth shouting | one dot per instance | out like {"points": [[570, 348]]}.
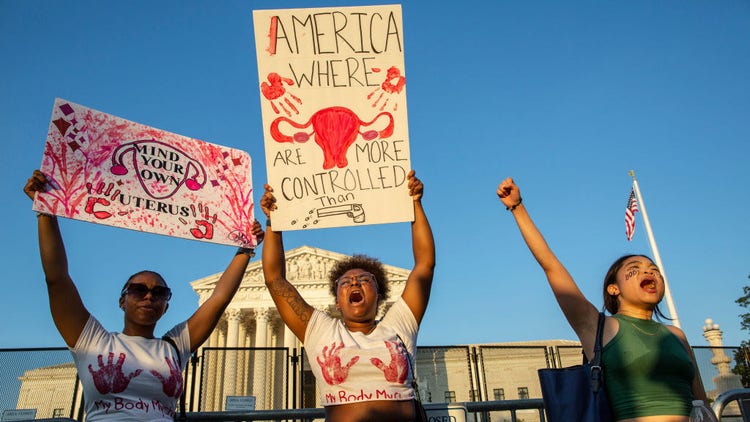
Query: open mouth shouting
{"points": [[649, 284], [356, 297], [357, 294]]}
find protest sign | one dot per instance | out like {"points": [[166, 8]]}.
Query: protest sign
{"points": [[108, 170], [333, 100]]}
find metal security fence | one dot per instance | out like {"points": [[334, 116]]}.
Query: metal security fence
{"points": [[565, 356], [260, 372], [445, 374], [277, 378], [509, 373], [44, 379], [722, 368]]}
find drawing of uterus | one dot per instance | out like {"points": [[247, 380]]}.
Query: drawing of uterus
{"points": [[335, 130]]}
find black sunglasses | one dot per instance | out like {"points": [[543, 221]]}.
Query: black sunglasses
{"points": [[139, 291]]}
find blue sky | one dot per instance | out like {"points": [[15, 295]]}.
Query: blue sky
{"points": [[565, 97]]}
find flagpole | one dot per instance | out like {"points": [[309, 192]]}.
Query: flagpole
{"points": [[655, 251]]}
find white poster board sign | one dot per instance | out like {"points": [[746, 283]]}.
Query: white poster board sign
{"points": [[108, 170], [333, 99]]}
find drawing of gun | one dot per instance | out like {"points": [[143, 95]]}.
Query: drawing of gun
{"points": [[353, 211]]}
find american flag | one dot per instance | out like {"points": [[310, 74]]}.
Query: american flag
{"points": [[630, 211]]}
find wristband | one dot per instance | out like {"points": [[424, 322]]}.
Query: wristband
{"points": [[247, 251], [513, 207]]}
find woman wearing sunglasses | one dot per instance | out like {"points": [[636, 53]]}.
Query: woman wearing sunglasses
{"points": [[130, 375], [362, 365]]}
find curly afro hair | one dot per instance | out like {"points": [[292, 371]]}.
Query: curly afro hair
{"points": [[362, 262]]}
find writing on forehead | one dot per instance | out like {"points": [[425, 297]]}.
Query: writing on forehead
{"points": [[631, 273]]}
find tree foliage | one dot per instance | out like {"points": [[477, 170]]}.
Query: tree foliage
{"points": [[742, 355], [744, 301]]}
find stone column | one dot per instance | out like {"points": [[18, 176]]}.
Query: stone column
{"points": [[221, 341], [290, 343], [242, 360], [273, 392], [261, 340], [726, 380], [234, 318], [207, 402], [290, 340]]}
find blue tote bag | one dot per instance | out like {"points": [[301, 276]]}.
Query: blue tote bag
{"points": [[577, 393]]}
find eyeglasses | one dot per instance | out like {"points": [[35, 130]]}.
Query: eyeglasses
{"points": [[139, 291], [346, 281]]}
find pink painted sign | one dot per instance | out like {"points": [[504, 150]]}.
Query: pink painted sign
{"points": [[108, 170], [332, 87]]}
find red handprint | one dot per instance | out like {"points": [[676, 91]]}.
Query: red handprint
{"points": [[171, 386], [109, 377], [275, 91], [333, 372], [205, 228], [392, 85], [201, 234], [398, 369], [93, 201]]}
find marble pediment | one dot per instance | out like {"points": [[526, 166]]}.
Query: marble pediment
{"points": [[306, 267]]}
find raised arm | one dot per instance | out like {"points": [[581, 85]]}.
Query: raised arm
{"points": [[66, 306], [205, 318], [416, 293], [581, 314], [292, 307]]}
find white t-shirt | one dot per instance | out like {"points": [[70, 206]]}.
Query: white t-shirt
{"points": [[127, 378], [352, 367]]}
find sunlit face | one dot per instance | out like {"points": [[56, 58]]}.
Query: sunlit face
{"points": [[145, 299], [357, 295], [639, 283]]}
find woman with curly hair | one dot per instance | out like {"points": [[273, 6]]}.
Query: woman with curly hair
{"points": [[361, 364]]}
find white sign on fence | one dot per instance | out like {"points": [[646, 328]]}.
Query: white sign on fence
{"points": [[440, 412], [239, 403], [18, 414]]}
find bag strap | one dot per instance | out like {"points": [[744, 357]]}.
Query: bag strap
{"points": [[596, 379], [170, 340], [411, 368], [181, 416]]}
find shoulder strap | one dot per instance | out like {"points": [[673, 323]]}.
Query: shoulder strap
{"points": [[412, 369], [181, 416], [598, 343], [596, 363], [170, 340]]}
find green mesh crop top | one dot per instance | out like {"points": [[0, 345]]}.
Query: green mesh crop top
{"points": [[647, 370]]}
